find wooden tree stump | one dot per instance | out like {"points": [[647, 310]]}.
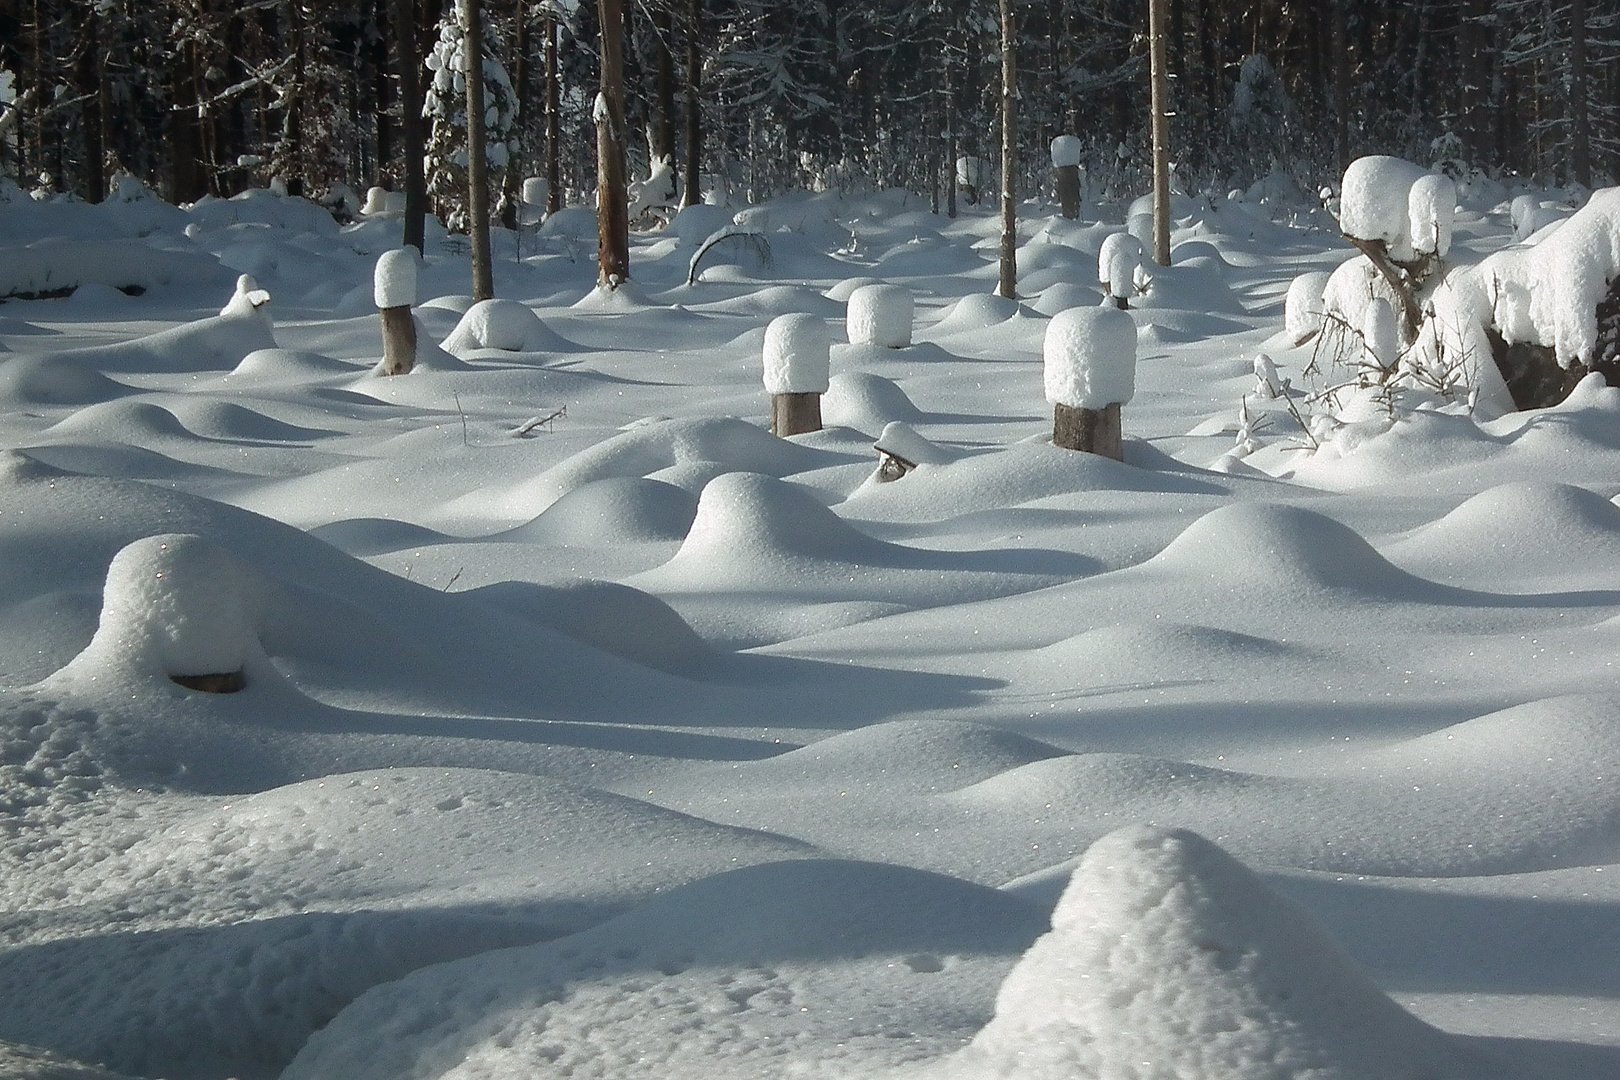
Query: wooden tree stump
{"points": [[1068, 191], [795, 414], [226, 682], [1093, 431], [399, 340]]}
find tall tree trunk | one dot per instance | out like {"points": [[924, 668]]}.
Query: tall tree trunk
{"points": [[293, 123], [383, 95], [1341, 85], [409, 63], [513, 189], [553, 120], [663, 125], [90, 85], [1580, 128], [612, 213], [1008, 280], [693, 193], [950, 136], [1161, 132], [472, 25]]}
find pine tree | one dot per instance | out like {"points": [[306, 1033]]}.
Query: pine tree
{"points": [[444, 103]]}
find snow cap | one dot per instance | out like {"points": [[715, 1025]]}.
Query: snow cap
{"points": [[1380, 335], [394, 282], [1303, 312], [1373, 202], [247, 299], [534, 191], [901, 439], [174, 602], [1090, 358], [1066, 151], [880, 315], [797, 347]]}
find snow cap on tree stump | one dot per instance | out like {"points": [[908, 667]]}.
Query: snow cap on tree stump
{"points": [[880, 315], [1066, 151], [1117, 260], [394, 281], [248, 299], [1090, 356], [1430, 207], [797, 347], [174, 603]]}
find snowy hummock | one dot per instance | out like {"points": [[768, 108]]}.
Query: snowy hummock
{"points": [[497, 324], [880, 315], [1090, 358], [394, 280], [1303, 309], [796, 351], [1380, 336], [1431, 206], [1167, 957]]}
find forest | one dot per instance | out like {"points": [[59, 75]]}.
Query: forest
{"points": [[203, 97]]}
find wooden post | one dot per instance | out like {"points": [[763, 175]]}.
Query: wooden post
{"points": [[399, 340], [1068, 191], [1094, 431], [795, 414]]}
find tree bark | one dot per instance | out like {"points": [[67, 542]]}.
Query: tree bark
{"points": [[795, 414], [1093, 431], [1007, 285], [472, 25], [512, 189], [1068, 191], [399, 340], [612, 213], [1580, 126], [1341, 85], [293, 122], [410, 121], [1161, 132], [663, 120], [90, 84]]}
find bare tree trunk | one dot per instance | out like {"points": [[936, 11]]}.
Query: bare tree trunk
{"points": [[472, 25], [612, 213], [1341, 85], [1161, 132], [91, 86], [1094, 431], [513, 188], [1008, 283], [950, 137], [694, 105], [553, 119], [663, 125], [383, 92], [410, 121], [1580, 126], [293, 124]]}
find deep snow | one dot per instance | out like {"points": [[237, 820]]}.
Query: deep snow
{"points": [[590, 730]]}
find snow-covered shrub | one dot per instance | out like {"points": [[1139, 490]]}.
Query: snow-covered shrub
{"points": [[796, 352], [656, 192], [1375, 203], [1380, 337], [1430, 207], [880, 315], [1303, 309], [1090, 358], [1117, 262], [445, 105]]}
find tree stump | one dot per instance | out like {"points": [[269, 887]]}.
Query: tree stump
{"points": [[227, 682], [1093, 431], [1068, 191], [399, 340], [795, 414]]}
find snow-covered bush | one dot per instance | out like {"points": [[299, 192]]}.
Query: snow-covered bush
{"points": [[445, 105], [1303, 309], [1117, 262], [796, 351], [880, 315], [1430, 207], [1090, 358], [1375, 203]]}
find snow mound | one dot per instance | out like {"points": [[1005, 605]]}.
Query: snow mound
{"points": [[1067, 151], [880, 315], [1134, 651], [613, 510], [499, 324], [1117, 262], [1514, 531], [1064, 295], [287, 365], [774, 300], [394, 278], [1256, 546], [1169, 957], [1303, 310], [841, 291], [777, 967], [214, 344], [975, 312], [614, 618], [19, 1062], [748, 517], [862, 401], [54, 379]]}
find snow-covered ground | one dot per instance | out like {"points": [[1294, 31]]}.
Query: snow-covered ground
{"points": [[590, 730]]}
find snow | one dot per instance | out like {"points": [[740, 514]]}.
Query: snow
{"points": [[394, 280], [587, 728], [1117, 262], [880, 314], [796, 351], [1431, 205], [1376, 202], [1090, 358], [1067, 151]]}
